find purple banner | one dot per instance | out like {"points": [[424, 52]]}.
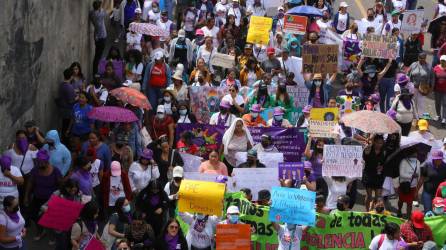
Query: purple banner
{"points": [[289, 141], [291, 170]]}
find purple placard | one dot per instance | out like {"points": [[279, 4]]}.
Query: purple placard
{"points": [[291, 170], [289, 141]]}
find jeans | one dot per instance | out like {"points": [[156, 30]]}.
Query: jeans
{"points": [[99, 49], [385, 93], [426, 199], [154, 95], [440, 104]]}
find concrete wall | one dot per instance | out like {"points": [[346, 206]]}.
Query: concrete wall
{"points": [[39, 39]]}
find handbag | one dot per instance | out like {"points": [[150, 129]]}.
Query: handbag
{"points": [[424, 89], [405, 185]]}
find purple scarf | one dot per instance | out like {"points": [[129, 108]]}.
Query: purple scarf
{"points": [[277, 123], [22, 145], [222, 121], [171, 241], [407, 102], [13, 216]]}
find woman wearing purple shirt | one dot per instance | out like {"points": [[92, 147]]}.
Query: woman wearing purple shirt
{"points": [[83, 176], [44, 180]]}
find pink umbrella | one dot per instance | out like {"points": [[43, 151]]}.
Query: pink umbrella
{"points": [[371, 122], [148, 29], [112, 114]]}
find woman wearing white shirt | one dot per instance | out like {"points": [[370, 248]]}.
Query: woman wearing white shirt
{"points": [[133, 41], [22, 153], [207, 51], [10, 178], [337, 186], [142, 172], [389, 239], [134, 66]]}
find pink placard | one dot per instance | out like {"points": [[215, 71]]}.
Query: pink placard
{"points": [[95, 244], [61, 213]]}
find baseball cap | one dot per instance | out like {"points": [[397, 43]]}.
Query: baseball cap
{"points": [[199, 32], [443, 58], [115, 168], [423, 125], [438, 202], [417, 219], [158, 55], [233, 210], [138, 11], [270, 51], [395, 13], [177, 172]]}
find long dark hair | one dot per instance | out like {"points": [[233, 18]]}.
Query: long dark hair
{"points": [[118, 208], [180, 232], [321, 91], [78, 65], [68, 184], [136, 54], [89, 211], [286, 98]]}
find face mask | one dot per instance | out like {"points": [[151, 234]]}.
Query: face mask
{"points": [[233, 218], [291, 227], [278, 117], [379, 209], [160, 116], [200, 216], [22, 144], [155, 10], [371, 75], [294, 46], [126, 208], [340, 206], [254, 115], [183, 111], [439, 210], [167, 98], [317, 83]]}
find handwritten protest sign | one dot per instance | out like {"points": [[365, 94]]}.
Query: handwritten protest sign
{"points": [[191, 162], [270, 160], [204, 101], [295, 24], [291, 170], [295, 206], [258, 32], [234, 236], [201, 197], [300, 95], [377, 46], [342, 160], [61, 214], [412, 20], [223, 60], [289, 141], [322, 129], [255, 179], [197, 176], [320, 58]]}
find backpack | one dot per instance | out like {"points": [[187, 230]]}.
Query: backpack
{"points": [[181, 49]]}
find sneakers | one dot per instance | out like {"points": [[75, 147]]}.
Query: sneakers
{"points": [[443, 121], [438, 118]]}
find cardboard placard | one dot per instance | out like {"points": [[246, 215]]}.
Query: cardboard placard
{"points": [[223, 60], [258, 32], [342, 160], [233, 236], [320, 58], [201, 197], [291, 170], [412, 20]]}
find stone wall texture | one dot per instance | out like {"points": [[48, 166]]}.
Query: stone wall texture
{"points": [[39, 39]]}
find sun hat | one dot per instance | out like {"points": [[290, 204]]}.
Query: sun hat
{"points": [[343, 4], [233, 210], [225, 104], [115, 168], [256, 108], [138, 11], [159, 55], [307, 109], [177, 76], [402, 79], [278, 111]]}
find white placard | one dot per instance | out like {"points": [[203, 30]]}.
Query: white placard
{"points": [[255, 179], [223, 60], [209, 177], [412, 20], [342, 160], [191, 162]]}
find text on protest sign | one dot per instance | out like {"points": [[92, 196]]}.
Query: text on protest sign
{"points": [[258, 32], [233, 236], [191, 162], [255, 179], [61, 213], [295, 24], [377, 46], [342, 160], [291, 170], [323, 129], [320, 58], [201, 197], [295, 206], [223, 60]]}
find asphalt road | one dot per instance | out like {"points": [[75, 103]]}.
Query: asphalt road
{"points": [[357, 9]]}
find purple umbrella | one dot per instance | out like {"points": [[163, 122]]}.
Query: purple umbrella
{"points": [[112, 114]]}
